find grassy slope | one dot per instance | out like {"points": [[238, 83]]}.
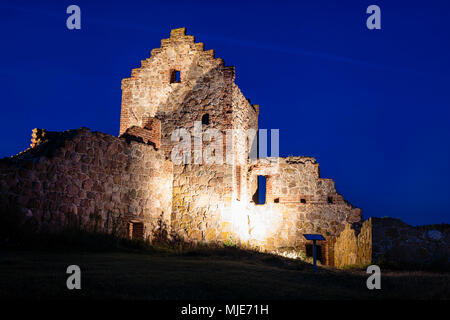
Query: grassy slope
{"points": [[225, 274]]}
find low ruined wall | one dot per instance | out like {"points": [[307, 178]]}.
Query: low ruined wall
{"points": [[399, 244], [90, 179], [353, 248], [298, 201], [393, 243]]}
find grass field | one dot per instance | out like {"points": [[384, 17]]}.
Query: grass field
{"points": [[221, 274]]}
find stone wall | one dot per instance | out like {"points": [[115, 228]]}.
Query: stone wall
{"points": [[205, 87], [92, 180], [399, 244], [129, 184], [201, 193], [150, 133], [353, 247], [205, 94], [393, 243], [298, 201]]}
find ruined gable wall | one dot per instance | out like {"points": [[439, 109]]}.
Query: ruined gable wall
{"points": [[201, 191], [90, 179], [213, 202], [205, 87]]}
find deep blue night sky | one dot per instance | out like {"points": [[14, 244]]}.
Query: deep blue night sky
{"points": [[372, 106]]}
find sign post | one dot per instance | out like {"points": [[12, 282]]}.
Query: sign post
{"points": [[314, 238]]}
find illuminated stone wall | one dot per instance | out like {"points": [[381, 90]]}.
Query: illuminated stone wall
{"points": [[202, 193], [354, 247], [214, 202], [205, 87], [298, 201], [90, 180]]}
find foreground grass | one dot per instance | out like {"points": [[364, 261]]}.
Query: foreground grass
{"points": [[222, 274]]}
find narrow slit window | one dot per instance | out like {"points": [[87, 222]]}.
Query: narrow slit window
{"points": [[262, 189], [205, 119], [330, 199], [175, 76], [238, 182]]}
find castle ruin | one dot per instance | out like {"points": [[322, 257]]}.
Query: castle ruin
{"points": [[130, 185], [180, 84]]}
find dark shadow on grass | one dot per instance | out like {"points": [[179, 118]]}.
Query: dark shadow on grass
{"points": [[73, 240]]}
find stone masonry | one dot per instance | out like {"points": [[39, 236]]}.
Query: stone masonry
{"points": [[90, 180], [393, 242], [215, 203]]}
